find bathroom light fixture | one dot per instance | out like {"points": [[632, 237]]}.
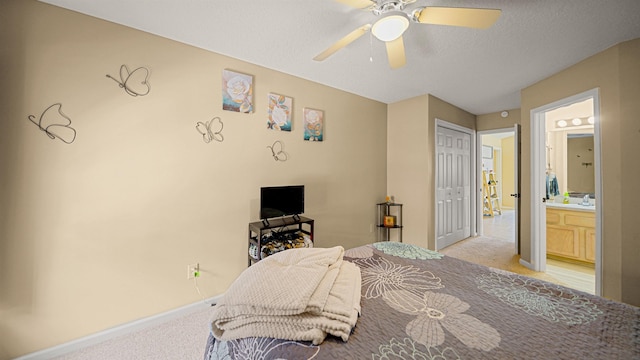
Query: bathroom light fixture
{"points": [[577, 122], [391, 27]]}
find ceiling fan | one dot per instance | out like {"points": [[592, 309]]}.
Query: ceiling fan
{"points": [[394, 21]]}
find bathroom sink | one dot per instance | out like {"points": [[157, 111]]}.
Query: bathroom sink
{"points": [[574, 206]]}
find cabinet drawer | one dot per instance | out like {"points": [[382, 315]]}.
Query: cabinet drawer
{"points": [[585, 221], [553, 217]]}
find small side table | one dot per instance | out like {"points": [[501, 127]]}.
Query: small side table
{"points": [[389, 218]]}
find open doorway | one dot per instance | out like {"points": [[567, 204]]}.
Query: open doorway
{"points": [[566, 239], [498, 177], [570, 200]]}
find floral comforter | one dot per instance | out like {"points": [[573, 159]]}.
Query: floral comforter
{"points": [[420, 304]]}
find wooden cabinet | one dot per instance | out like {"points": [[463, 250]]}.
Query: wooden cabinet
{"points": [[590, 248], [571, 235]]}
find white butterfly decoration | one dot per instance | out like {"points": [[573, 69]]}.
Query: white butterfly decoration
{"points": [[211, 130], [135, 83], [55, 124], [277, 151]]}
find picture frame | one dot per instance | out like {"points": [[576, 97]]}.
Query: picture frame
{"points": [[279, 112], [313, 120], [237, 91], [487, 152], [390, 221]]}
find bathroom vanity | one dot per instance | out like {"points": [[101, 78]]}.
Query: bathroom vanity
{"points": [[571, 232]]}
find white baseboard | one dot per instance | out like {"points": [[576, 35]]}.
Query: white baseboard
{"points": [[119, 330], [527, 265]]}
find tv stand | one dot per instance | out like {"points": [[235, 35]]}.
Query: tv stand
{"points": [[284, 226], [296, 218]]}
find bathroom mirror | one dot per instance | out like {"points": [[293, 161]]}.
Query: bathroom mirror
{"points": [[570, 149], [580, 164]]}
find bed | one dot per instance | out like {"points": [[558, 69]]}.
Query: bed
{"points": [[420, 304]]}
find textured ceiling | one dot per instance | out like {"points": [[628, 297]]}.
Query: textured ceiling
{"points": [[481, 71]]}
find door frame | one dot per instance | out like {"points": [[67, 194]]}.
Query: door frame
{"points": [[472, 179], [516, 176], [538, 190]]}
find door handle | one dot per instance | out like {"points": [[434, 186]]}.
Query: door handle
{"points": [[515, 195], [544, 200]]}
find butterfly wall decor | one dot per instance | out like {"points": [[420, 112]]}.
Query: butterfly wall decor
{"points": [[277, 151], [211, 130], [55, 124], [134, 83]]}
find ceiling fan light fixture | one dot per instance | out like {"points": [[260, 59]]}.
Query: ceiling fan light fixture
{"points": [[391, 26]]}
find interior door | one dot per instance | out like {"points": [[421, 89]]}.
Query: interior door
{"points": [[453, 186], [516, 185]]}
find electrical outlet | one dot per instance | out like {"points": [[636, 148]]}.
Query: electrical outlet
{"points": [[193, 271]]}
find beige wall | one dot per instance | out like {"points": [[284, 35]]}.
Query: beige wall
{"points": [[494, 121], [411, 160], [629, 170], [493, 141], [615, 72], [408, 165], [99, 232]]}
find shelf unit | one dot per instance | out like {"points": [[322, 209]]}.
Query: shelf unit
{"points": [[384, 228], [490, 195], [292, 224]]}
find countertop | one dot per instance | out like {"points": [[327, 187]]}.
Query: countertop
{"points": [[576, 207]]}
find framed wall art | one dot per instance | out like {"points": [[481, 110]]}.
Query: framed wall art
{"points": [[279, 113], [487, 152], [313, 124], [237, 91]]}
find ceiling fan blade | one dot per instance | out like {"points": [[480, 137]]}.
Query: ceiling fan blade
{"points": [[358, 4], [395, 53], [351, 37], [467, 17]]}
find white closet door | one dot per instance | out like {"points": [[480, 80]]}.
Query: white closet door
{"points": [[453, 186]]}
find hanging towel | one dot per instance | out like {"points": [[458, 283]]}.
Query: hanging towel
{"points": [[554, 188], [548, 186]]}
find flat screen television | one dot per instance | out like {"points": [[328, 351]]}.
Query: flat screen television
{"points": [[278, 201]]}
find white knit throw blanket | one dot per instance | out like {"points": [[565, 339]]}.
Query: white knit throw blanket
{"points": [[297, 294]]}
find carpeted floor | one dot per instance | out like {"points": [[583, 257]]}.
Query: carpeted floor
{"points": [[495, 253], [183, 338]]}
